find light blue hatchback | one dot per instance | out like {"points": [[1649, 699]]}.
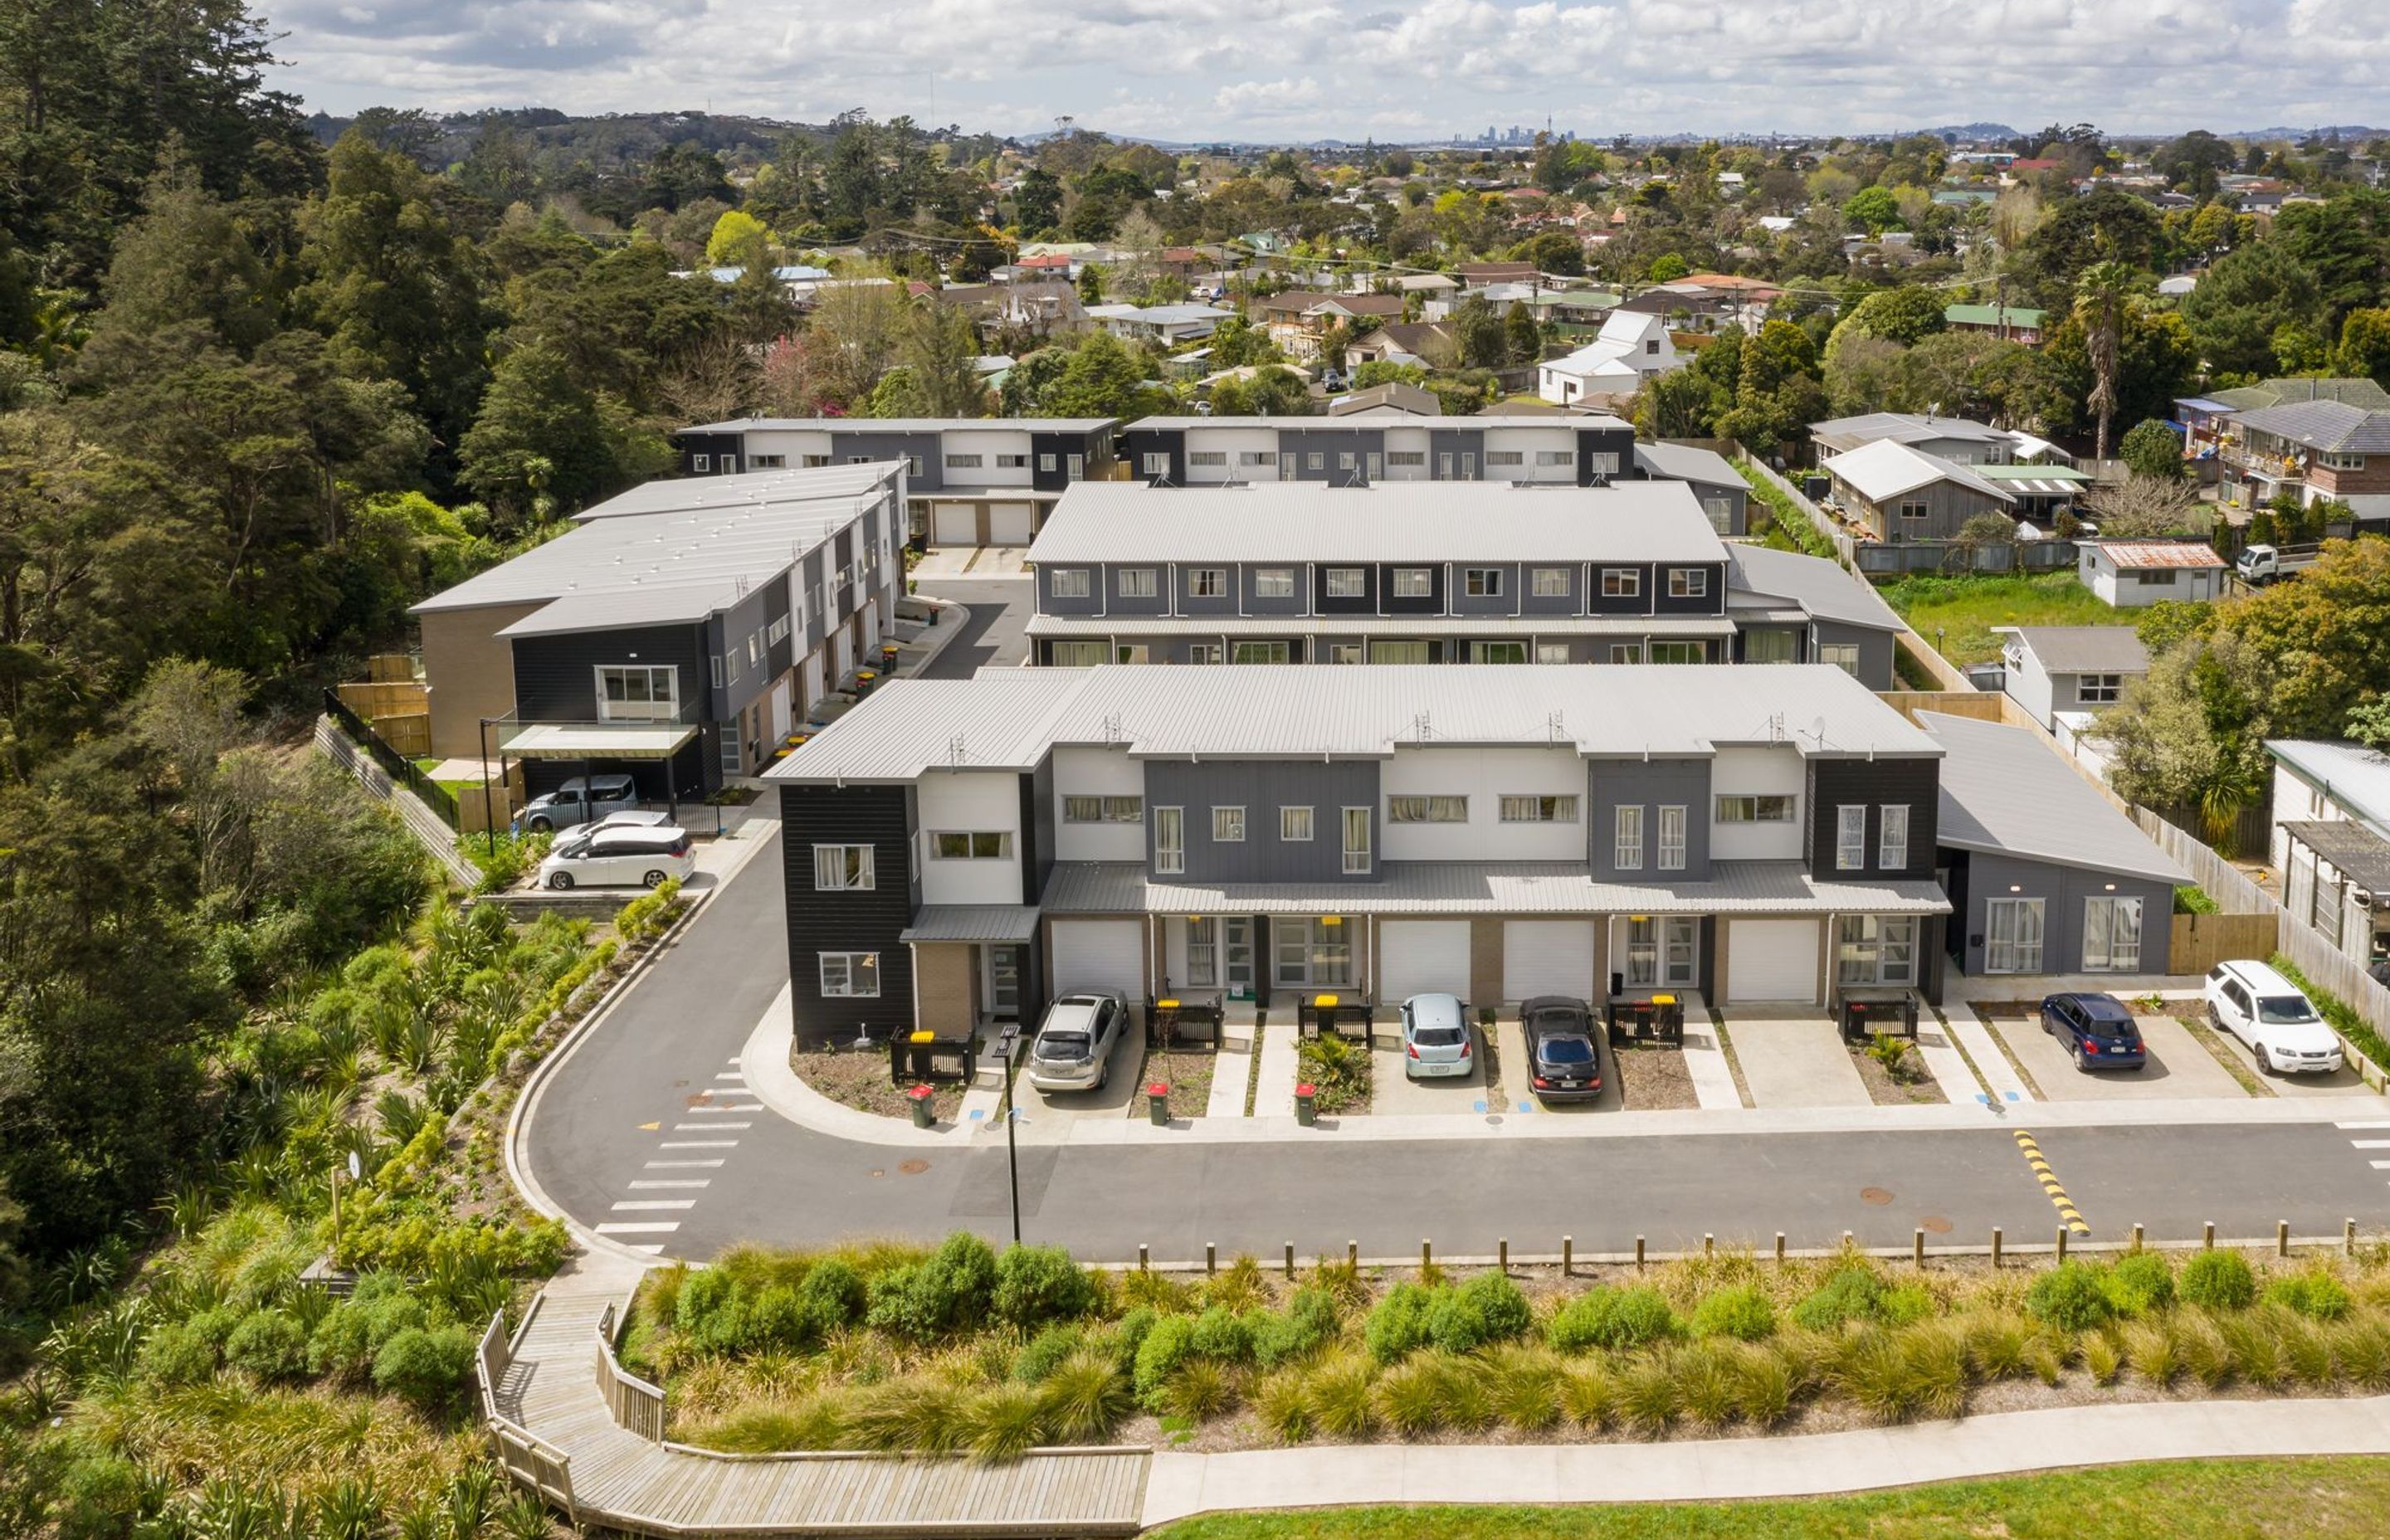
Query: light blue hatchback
{"points": [[1436, 1039]]}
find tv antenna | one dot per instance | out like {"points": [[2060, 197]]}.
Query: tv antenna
{"points": [[955, 750]]}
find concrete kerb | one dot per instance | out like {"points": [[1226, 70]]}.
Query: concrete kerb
{"points": [[941, 633]]}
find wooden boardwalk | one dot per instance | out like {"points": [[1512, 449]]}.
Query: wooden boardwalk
{"points": [[551, 1399]]}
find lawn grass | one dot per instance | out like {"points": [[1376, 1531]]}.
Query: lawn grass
{"points": [[1965, 609], [2313, 1499]]}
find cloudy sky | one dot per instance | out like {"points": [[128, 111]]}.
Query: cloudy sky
{"points": [[1301, 69]]}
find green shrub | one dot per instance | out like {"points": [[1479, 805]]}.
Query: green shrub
{"points": [[1127, 1336], [1489, 1308], [833, 1294], [2319, 1296], [1857, 1294], [775, 1318], [1037, 1284], [268, 1345], [1397, 1324], [1739, 1311], [1613, 1318], [1308, 1323], [426, 1367], [1222, 1336], [2140, 1283], [177, 1354], [2070, 1297], [1169, 1343], [1042, 1354], [2220, 1280], [953, 1290]]}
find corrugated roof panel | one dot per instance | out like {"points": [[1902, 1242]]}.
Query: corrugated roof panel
{"points": [[1497, 886], [2005, 790]]}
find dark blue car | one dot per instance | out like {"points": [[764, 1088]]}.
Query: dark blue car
{"points": [[2096, 1029]]}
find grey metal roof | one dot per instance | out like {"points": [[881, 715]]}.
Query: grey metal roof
{"points": [[1425, 521], [2359, 392], [1378, 625], [1000, 923], [1904, 427], [1007, 718], [1487, 887], [904, 425], [2357, 778], [662, 560], [1487, 420], [1820, 587], [2005, 790], [2359, 855], [2332, 425], [1685, 462], [1887, 467], [2084, 648]]}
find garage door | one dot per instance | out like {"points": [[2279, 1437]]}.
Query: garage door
{"points": [[954, 524], [1011, 523], [1771, 959], [1422, 957], [1099, 954], [1547, 957]]}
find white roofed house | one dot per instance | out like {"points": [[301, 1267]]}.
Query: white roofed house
{"points": [[1902, 493], [1168, 325], [2331, 842], [1955, 439], [1630, 349]]}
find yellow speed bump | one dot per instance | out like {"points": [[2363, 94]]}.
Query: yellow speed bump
{"points": [[2050, 1185]]}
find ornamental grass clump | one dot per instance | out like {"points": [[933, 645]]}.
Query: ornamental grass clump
{"points": [[2361, 1349], [1085, 1397], [1282, 1404], [1588, 1393], [1523, 1385], [1647, 1397], [1343, 1399], [1707, 1382]]}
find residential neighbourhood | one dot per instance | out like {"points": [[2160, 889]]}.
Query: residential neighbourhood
{"points": [[1326, 775]]}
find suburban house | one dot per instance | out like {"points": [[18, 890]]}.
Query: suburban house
{"points": [[2043, 874], [1725, 495], [1901, 493], [677, 632], [1695, 308], [1168, 325], [1381, 445], [2132, 573], [1486, 275], [1429, 344], [2207, 421], [1629, 349], [2041, 491], [2056, 669], [1309, 573], [1395, 395], [2330, 842], [2010, 323], [1297, 320], [2313, 450], [1018, 309], [967, 480], [1955, 439]]}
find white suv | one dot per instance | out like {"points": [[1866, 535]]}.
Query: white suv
{"points": [[2258, 1006]]}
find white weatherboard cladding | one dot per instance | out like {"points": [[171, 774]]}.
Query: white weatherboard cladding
{"points": [[1527, 442], [1484, 776], [970, 802], [1547, 957], [793, 445], [1099, 954], [954, 524], [1233, 443], [988, 444], [1422, 957], [1096, 773], [1775, 770], [1771, 959], [1011, 523]]}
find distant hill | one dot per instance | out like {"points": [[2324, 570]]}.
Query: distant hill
{"points": [[1971, 131], [2354, 132]]}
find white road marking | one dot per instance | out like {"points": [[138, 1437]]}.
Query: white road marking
{"points": [[743, 1107], [697, 1182], [2368, 1144], [2370, 1122], [2379, 1165], [664, 1227], [636, 1205], [685, 1165], [707, 1127], [698, 1144], [648, 1251], [739, 1076]]}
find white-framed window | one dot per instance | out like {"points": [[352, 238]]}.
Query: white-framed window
{"points": [[638, 692], [1555, 456], [1743, 808], [1842, 655], [1626, 653], [970, 845], [702, 464], [1850, 838], [1140, 583], [1482, 582], [1549, 583], [1044, 462], [1689, 582], [1443, 466], [1670, 850], [1207, 583], [1681, 652], [1414, 583], [1132, 652], [1257, 456], [1627, 839], [1504, 456], [1263, 652], [1074, 654], [1204, 652], [2012, 935], [1274, 583], [1228, 826], [1539, 809], [1356, 839], [1604, 462], [1068, 583], [1768, 645], [1497, 652], [850, 975], [1551, 652], [1427, 809], [767, 462], [1398, 651], [1169, 840], [1317, 459], [1208, 457], [1892, 837], [1103, 810], [713, 670], [1348, 583], [841, 869], [776, 633], [1622, 583], [1875, 949], [1013, 462], [754, 649], [2338, 460], [963, 462], [1343, 459], [1719, 511], [1914, 513], [815, 462], [2111, 935], [1407, 457], [1345, 652], [1155, 464], [1294, 825], [2101, 689]]}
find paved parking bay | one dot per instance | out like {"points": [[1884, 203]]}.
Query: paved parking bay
{"points": [[1792, 1057], [1393, 1092], [2179, 1069], [1518, 1076], [2343, 1082]]}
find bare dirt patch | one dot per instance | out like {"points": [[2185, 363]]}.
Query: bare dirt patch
{"points": [[857, 1079], [1653, 1078]]}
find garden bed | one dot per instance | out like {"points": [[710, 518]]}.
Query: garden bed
{"points": [[1189, 1075], [858, 1078], [1652, 1077], [1338, 1069], [1913, 1084]]}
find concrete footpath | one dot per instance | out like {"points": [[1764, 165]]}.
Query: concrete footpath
{"points": [[1809, 1465]]}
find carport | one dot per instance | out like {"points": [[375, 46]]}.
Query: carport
{"points": [[588, 744]]}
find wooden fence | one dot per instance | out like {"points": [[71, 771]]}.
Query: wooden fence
{"points": [[635, 1405], [531, 1459], [1823, 522], [430, 830], [1991, 558], [2225, 882], [2200, 942]]}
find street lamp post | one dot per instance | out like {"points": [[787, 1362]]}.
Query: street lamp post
{"points": [[1007, 1043]]}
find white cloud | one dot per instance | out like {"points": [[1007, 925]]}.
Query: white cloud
{"points": [[1222, 68]]}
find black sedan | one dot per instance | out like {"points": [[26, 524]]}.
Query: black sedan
{"points": [[1563, 1062], [2097, 1029]]}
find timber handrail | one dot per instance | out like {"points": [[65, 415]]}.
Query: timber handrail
{"points": [[635, 1405]]}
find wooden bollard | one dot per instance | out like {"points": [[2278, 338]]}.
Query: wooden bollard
{"points": [[1568, 1250], [2281, 1238], [1427, 1255], [1351, 1253], [2062, 1243], [2137, 1238], [1996, 1245], [1211, 1256], [1917, 1249], [1638, 1254], [1502, 1253], [1289, 1258], [2207, 1236], [1780, 1248], [1709, 1244], [1144, 1258], [2349, 1237]]}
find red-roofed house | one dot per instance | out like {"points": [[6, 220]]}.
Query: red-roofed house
{"points": [[2131, 573]]}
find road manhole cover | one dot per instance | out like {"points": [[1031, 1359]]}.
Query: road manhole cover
{"points": [[1493, 1120], [1878, 1196], [1935, 1223], [913, 1167]]}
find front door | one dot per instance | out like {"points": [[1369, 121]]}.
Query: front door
{"points": [[2012, 935], [1004, 983], [1237, 957], [1291, 943]]}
